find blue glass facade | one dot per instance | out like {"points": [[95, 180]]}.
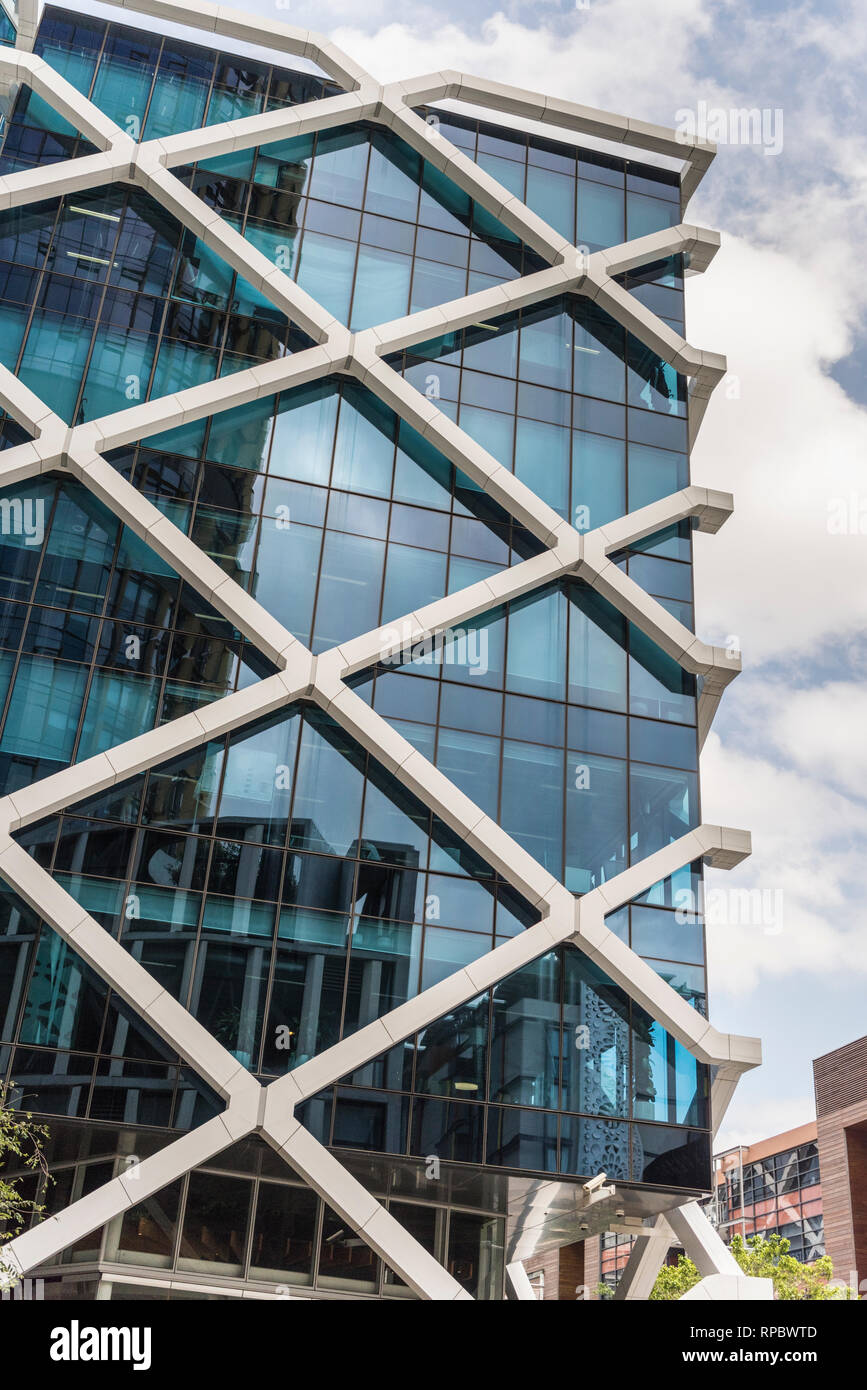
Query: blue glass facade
{"points": [[380, 522], [107, 302], [99, 638], [288, 912]]}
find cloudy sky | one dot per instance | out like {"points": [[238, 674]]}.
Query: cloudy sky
{"points": [[787, 434]]}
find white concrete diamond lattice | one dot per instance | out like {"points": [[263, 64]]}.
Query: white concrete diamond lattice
{"points": [[79, 452]]}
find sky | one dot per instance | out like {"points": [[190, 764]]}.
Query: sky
{"points": [[786, 433]]}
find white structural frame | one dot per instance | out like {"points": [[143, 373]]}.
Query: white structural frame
{"points": [[79, 452], [721, 1276]]}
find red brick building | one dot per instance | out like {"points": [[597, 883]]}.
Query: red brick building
{"points": [[772, 1187], [840, 1079]]}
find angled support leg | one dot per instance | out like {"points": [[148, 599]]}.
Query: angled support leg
{"points": [[520, 1283], [723, 1278], [645, 1262]]}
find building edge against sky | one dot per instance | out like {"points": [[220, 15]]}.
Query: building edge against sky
{"points": [[610, 355]]}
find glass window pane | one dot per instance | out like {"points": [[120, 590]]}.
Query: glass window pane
{"points": [[598, 480], [667, 935], [532, 801], [370, 1120], [393, 179], [508, 172], [542, 462], [595, 1041], [118, 708], [345, 1260], [600, 215], [597, 656], [447, 951], [600, 350], [659, 688], [472, 762], [216, 1217], [307, 989], [231, 984], [326, 269], [148, 1230], [476, 1253], [654, 473], [433, 284], [596, 821], [552, 196], [525, 1039], [670, 744], [327, 805], [364, 452], [546, 348], [413, 579], [340, 167], [653, 383], [645, 215], [451, 1054], [287, 563], [286, 165], [452, 1130], [671, 1157], [536, 651], [54, 359], [522, 1139], [589, 1147], [257, 785], [384, 962], [178, 102], [421, 1224], [283, 1234], [304, 433], [663, 805], [381, 287], [349, 588], [123, 82], [43, 713], [495, 431]]}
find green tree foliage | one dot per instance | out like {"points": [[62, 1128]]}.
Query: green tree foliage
{"points": [[673, 1281], [761, 1257], [769, 1258], [20, 1147]]}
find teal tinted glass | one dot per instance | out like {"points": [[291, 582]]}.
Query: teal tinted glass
{"points": [[330, 565], [95, 634], [124, 82], [90, 353]]}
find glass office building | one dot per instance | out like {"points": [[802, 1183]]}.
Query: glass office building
{"points": [[288, 912]]}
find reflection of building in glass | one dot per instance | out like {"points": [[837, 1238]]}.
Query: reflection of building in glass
{"points": [[772, 1188]]}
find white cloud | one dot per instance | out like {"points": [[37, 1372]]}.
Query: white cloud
{"points": [[763, 1117], [785, 438], [809, 844], [620, 56], [823, 730]]}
